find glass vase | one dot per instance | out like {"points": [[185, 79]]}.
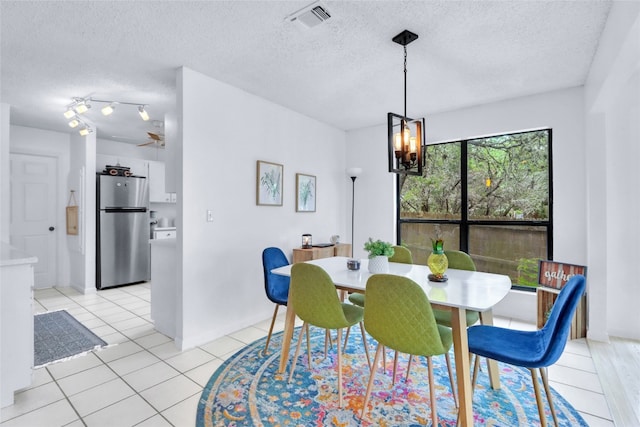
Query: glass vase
{"points": [[438, 264]]}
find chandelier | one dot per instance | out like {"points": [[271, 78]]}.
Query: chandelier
{"points": [[405, 135]]}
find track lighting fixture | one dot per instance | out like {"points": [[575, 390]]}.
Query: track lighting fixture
{"points": [[143, 113], [82, 105]]}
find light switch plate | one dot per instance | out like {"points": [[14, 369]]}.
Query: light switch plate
{"points": [[209, 216]]}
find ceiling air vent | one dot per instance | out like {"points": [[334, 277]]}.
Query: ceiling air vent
{"points": [[310, 15]]}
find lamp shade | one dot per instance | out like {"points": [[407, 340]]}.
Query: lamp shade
{"points": [[354, 172]]}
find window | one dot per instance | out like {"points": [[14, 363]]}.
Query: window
{"points": [[490, 197]]}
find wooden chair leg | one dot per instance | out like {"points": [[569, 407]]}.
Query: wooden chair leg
{"points": [[536, 389], [395, 367], [366, 346], [547, 390], [297, 353], [406, 378], [384, 360], [327, 340], [453, 387], [376, 359], [339, 368], [432, 393], [476, 368], [308, 346], [346, 338], [273, 321]]}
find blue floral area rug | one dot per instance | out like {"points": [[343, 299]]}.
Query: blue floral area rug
{"points": [[59, 336], [247, 391]]}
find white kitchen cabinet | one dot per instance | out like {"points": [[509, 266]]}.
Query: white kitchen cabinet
{"points": [[157, 192], [164, 233], [16, 320]]}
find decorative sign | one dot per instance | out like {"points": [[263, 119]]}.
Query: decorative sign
{"points": [[556, 274], [72, 214]]}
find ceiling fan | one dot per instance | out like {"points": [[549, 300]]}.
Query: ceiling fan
{"points": [[155, 139]]}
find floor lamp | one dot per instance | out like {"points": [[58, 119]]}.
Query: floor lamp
{"points": [[353, 173]]}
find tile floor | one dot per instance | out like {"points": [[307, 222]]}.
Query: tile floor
{"points": [[141, 379]]}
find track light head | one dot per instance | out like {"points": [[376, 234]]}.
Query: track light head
{"points": [[82, 107], [69, 113], [74, 123], [85, 131], [108, 109], [143, 113]]}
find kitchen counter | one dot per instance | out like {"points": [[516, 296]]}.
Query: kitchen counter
{"points": [[13, 256], [16, 320]]}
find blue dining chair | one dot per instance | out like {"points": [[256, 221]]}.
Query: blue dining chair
{"points": [[275, 285], [531, 349]]}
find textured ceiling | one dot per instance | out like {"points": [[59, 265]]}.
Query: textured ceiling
{"points": [[345, 72]]}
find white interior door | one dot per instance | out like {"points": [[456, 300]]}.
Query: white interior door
{"points": [[33, 212]]}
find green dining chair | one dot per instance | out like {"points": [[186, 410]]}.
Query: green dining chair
{"points": [[316, 302], [399, 316], [401, 255], [460, 261]]}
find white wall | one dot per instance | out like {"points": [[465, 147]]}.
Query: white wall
{"points": [[82, 179], [559, 110], [224, 131], [4, 172], [612, 109]]}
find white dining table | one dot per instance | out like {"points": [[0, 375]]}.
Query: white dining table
{"points": [[464, 290]]}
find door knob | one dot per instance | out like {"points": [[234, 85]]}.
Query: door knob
{"points": [[51, 228]]}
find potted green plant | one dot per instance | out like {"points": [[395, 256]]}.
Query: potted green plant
{"points": [[379, 253]]}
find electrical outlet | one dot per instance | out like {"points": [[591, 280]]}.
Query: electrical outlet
{"points": [[209, 216]]}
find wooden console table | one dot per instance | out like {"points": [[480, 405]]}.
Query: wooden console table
{"points": [[340, 249]]}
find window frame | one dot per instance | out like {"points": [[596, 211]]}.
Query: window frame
{"points": [[464, 223]]}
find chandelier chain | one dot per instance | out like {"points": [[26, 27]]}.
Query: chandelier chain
{"points": [[405, 82]]}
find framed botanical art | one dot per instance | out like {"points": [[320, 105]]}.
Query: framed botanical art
{"points": [[269, 184], [305, 193]]}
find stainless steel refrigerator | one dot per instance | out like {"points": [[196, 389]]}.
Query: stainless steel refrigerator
{"points": [[122, 231]]}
